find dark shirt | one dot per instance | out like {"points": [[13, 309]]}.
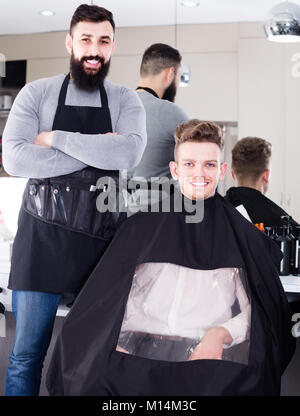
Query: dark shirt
{"points": [[259, 207]]}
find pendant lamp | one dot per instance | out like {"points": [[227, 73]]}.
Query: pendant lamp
{"points": [[282, 23]]}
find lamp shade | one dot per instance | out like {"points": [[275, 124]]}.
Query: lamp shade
{"points": [[282, 23]]}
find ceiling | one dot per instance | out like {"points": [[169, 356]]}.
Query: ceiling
{"points": [[22, 16]]}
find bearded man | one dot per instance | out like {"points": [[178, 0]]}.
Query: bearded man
{"points": [[160, 74], [63, 133]]}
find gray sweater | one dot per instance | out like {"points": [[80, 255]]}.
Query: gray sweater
{"points": [[162, 118], [33, 111]]}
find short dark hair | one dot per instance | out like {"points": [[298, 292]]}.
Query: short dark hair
{"points": [[158, 57], [195, 130], [88, 13], [250, 158]]}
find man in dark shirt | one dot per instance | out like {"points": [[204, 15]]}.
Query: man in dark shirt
{"points": [[251, 169]]}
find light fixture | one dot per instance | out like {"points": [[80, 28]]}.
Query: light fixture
{"points": [[185, 76], [282, 23], [190, 3], [185, 70], [47, 13]]}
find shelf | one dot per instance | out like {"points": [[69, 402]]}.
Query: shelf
{"points": [[291, 283], [4, 113], [3, 174], [5, 295]]}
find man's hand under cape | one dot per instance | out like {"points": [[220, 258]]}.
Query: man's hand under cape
{"points": [[211, 346]]}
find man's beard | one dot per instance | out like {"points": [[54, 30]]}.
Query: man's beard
{"points": [[170, 92], [92, 80]]}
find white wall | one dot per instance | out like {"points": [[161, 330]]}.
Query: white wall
{"points": [[261, 101], [210, 51]]}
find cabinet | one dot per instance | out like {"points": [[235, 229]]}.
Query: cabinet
{"points": [[268, 108], [292, 83], [262, 103], [212, 92], [3, 118]]}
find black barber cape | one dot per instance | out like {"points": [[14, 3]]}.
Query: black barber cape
{"points": [[85, 361]]}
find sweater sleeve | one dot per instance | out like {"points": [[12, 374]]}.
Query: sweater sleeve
{"points": [[20, 156], [110, 151]]}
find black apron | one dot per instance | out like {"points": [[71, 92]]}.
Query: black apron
{"points": [[61, 235]]}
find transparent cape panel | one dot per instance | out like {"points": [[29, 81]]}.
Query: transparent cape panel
{"points": [[176, 313]]}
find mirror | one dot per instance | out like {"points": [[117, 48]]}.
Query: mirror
{"points": [[238, 79]]}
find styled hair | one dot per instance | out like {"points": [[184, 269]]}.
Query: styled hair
{"points": [[158, 57], [250, 158], [198, 131], [87, 13]]}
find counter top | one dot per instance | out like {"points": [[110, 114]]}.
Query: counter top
{"points": [[5, 295], [290, 284]]}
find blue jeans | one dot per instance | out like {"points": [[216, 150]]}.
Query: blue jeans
{"points": [[34, 313]]}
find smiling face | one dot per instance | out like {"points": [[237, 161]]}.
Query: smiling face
{"points": [[198, 168], [91, 46]]}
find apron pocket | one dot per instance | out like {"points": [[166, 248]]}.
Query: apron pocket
{"points": [[35, 198], [71, 207], [61, 203], [84, 205], [87, 218]]}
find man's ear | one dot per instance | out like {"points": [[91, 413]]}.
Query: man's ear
{"points": [[233, 175], [173, 170], [266, 176], [69, 43], [223, 170], [169, 75]]}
